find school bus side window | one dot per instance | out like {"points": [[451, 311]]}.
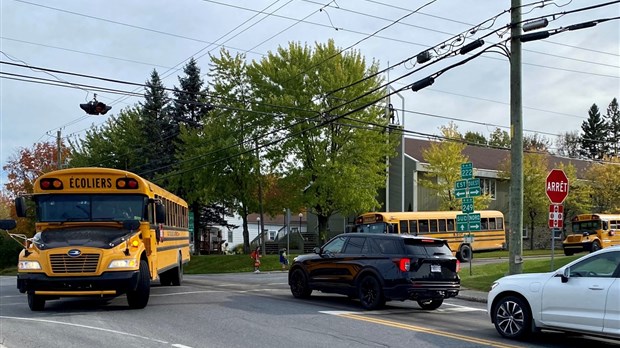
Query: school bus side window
{"points": [[404, 227], [433, 225], [450, 225], [423, 226], [442, 225], [414, 226]]}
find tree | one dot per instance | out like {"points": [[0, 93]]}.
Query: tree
{"points": [[568, 144], [594, 137], [536, 143], [444, 162], [190, 108], [157, 128], [332, 138], [579, 199], [605, 182], [118, 143], [22, 169], [225, 144], [535, 201], [475, 138], [612, 119], [499, 138]]}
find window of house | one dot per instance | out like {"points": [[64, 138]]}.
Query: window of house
{"points": [[230, 237], [488, 187]]}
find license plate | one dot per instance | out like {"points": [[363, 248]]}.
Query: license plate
{"points": [[435, 268]]}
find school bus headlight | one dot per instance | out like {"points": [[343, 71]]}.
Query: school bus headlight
{"points": [[28, 265], [127, 263]]}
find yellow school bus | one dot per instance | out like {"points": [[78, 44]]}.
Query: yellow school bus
{"points": [[440, 224], [591, 232], [101, 232]]}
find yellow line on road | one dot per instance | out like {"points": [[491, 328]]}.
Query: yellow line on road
{"points": [[427, 330]]}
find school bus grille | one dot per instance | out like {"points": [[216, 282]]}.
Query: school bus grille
{"points": [[85, 263]]}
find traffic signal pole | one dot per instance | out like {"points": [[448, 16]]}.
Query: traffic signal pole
{"points": [[515, 261]]}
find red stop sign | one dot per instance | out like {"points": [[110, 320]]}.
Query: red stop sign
{"points": [[556, 186]]}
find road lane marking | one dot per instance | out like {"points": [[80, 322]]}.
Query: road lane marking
{"points": [[357, 316]]}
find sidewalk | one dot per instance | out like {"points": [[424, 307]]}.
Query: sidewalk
{"points": [[473, 295]]}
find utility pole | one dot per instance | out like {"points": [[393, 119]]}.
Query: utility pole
{"points": [[260, 200], [58, 149], [515, 262]]}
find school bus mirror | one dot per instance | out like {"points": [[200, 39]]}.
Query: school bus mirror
{"points": [[8, 224], [20, 206], [160, 213]]}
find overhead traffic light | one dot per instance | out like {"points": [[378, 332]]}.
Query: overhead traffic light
{"points": [[95, 107]]}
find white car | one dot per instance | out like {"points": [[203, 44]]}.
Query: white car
{"points": [[582, 297]]}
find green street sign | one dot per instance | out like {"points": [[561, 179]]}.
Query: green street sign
{"points": [[473, 182], [462, 218], [474, 217], [467, 170], [462, 226], [460, 184], [467, 205], [460, 193], [475, 191], [474, 226]]}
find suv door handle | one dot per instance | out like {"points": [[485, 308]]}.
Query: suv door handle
{"points": [[595, 287]]}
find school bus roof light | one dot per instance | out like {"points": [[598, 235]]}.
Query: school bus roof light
{"points": [[51, 184], [126, 183]]}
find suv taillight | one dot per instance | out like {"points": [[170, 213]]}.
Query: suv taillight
{"points": [[458, 266], [404, 265]]}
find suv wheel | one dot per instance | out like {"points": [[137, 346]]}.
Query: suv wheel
{"points": [[464, 254], [430, 304], [369, 293], [299, 284], [512, 317]]}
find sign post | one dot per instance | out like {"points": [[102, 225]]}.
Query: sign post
{"points": [[465, 190], [556, 188]]}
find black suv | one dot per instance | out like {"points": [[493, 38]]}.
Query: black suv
{"points": [[376, 268]]}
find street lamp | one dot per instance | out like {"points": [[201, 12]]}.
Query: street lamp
{"points": [[301, 215]]}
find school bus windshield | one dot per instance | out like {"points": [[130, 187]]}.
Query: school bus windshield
{"points": [[586, 226], [90, 207]]}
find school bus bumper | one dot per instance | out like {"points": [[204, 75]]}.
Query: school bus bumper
{"points": [[109, 283]]}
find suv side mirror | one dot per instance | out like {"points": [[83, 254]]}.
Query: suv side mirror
{"points": [[316, 250], [566, 275]]}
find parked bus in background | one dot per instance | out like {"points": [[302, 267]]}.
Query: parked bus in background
{"points": [[591, 232], [440, 224], [101, 232]]}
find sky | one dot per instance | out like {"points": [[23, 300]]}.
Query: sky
{"points": [[119, 40]]}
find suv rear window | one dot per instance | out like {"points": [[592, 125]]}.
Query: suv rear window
{"points": [[423, 248]]}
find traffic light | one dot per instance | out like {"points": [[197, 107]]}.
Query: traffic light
{"points": [[95, 108]]}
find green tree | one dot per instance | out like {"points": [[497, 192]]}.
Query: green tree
{"points": [[499, 138], [333, 138], [444, 160], [535, 201], [579, 199], [605, 182], [612, 119], [475, 138], [225, 144], [189, 111], [594, 137], [157, 128], [118, 143]]}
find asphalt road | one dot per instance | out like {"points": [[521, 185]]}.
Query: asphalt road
{"points": [[257, 310]]}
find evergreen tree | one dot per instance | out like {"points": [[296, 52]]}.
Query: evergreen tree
{"points": [[156, 126], [475, 138], [594, 138], [613, 122], [190, 104]]}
